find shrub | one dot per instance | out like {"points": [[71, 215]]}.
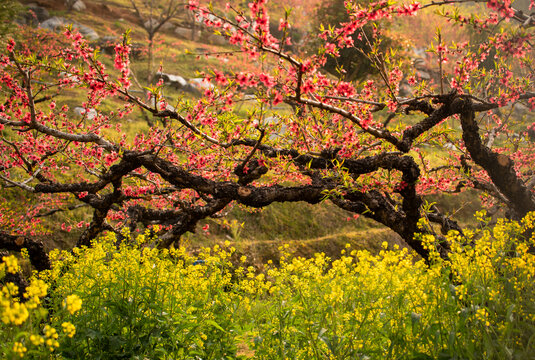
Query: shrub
{"points": [[139, 302], [25, 330]]}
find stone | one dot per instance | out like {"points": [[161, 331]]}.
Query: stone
{"points": [[201, 84], [36, 14], [150, 24], [57, 23], [189, 88], [214, 39], [423, 75], [173, 80], [187, 33], [53, 23], [107, 44], [168, 26], [87, 32], [275, 130], [159, 105], [450, 146], [79, 6], [81, 112], [193, 86]]}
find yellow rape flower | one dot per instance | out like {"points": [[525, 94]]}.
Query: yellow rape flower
{"points": [[73, 303], [15, 313], [12, 264], [482, 315], [19, 349], [69, 329], [50, 332], [9, 290], [37, 288], [36, 340]]}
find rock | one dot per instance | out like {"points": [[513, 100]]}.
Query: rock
{"points": [[450, 146], [274, 128], [53, 23], [153, 23], [187, 34], [189, 88], [423, 75], [215, 39], [87, 32], [405, 90], [201, 19], [173, 80], [137, 50], [109, 39], [531, 133], [521, 110], [79, 6], [57, 23], [168, 26], [107, 44], [74, 78], [81, 112], [35, 15], [201, 84], [150, 24], [181, 83], [160, 105]]}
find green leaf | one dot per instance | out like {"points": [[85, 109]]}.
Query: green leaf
{"points": [[216, 325]]}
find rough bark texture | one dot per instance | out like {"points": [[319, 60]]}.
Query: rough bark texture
{"points": [[36, 250], [499, 166], [400, 215]]}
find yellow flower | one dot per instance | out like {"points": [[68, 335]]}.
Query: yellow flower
{"points": [[10, 290], [36, 340], [37, 288], [12, 264], [15, 313], [69, 329], [73, 303], [52, 344], [19, 349], [50, 332], [483, 315]]}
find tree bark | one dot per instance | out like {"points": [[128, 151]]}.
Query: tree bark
{"points": [[36, 249]]}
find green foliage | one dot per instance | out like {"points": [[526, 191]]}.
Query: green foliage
{"points": [[140, 302], [8, 10], [24, 328], [354, 61], [134, 302]]}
